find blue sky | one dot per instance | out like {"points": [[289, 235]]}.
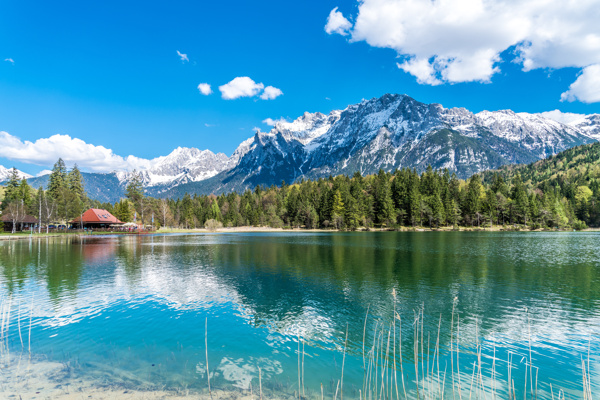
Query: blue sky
{"points": [[108, 73]]}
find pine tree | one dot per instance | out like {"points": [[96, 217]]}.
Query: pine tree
{"points": [[338, 210], [437, 208], [25, 194], [135, 193], [491, 205], [414, 200], [534, 208], [75, 181], [473, 199], [382, 199], [520, 200], [352, 215], [58, 179], [123, 210], [11, 192]]}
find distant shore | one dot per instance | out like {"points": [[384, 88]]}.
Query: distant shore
{"points": [[250, 229], [266, 229]]}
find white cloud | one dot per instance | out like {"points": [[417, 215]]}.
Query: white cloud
{"points": [[183, 57], [44, 172], [205, 89], [463, 40], [272, 122], [562, 117], [255, 129], [10, 60], [242, 86], [421, 69], [586, 88], [337, 23], [271, 93], [46, 151]]}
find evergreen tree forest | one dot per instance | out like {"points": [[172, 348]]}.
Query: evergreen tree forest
{"points": [[562, 192], [404, 198]]}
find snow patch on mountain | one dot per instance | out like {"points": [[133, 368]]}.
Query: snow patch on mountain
{"points": [[307, 127], [5, 174]]}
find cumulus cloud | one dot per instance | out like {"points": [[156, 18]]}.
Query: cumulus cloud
{"points": [[205, 89], [586, 88], [272, 122], [10, 60], [255, 129], [44, 172], [465, 40], [183, 57], [46, 151], [421, 69], [242, 86], [271, 93], [337, 23], [562, 117]]}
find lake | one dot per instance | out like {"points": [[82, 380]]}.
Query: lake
{"points": [[375, 314]]}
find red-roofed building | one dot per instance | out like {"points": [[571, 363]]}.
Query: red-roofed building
{"points": [[96, 218]]}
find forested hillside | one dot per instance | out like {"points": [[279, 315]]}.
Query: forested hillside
{"points": [[573, 174]]}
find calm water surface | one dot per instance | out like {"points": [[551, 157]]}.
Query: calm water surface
{"points": [[132, 311]]}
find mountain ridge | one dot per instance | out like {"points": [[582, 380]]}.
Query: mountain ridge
{"points": [[388, 132]]}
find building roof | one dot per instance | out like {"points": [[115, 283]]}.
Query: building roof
{"points": [[97, 216], [27, 219]]}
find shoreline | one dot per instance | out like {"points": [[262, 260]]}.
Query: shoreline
{"points": [[265, 229]]}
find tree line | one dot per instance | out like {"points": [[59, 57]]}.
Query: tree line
{"points": [[575, 173], [403, 198]]}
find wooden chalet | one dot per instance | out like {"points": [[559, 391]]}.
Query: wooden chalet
{"points": [[25, 223], [95, 218]]}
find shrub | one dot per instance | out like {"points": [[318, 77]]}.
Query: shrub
{"points": [[212, 225]]}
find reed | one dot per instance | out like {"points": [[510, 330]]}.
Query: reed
{"points": [[343, 363], [430, 380], [30, 317], [206, 348], [260, 382]]}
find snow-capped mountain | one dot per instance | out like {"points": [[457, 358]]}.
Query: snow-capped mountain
{"points": [[589, 124], [397, 131], [389, 132], [5, 174], [183, 165]]}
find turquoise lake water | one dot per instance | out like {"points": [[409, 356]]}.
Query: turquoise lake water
{"points": [[132, 312]]}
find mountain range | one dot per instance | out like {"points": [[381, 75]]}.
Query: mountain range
{"points": [[389, 132]]}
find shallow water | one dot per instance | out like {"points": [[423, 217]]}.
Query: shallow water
{"points": [[132, 312]]}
